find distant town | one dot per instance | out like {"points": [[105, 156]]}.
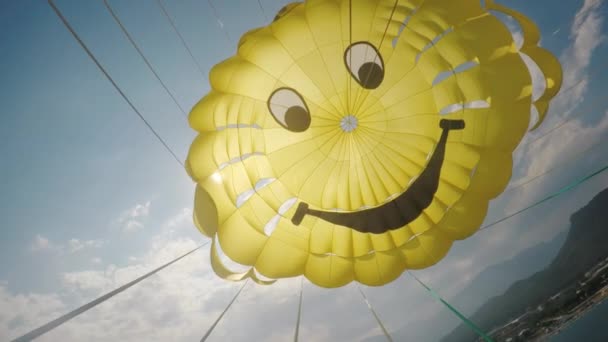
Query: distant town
{"points": [[549, 318]]}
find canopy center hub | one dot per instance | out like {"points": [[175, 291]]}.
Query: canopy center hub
{"points": [[349, 123]]}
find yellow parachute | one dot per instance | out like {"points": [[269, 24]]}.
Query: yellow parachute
{"points": [[352, 140]]}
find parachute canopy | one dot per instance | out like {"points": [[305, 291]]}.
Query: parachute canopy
{"points": [[352, 140]]}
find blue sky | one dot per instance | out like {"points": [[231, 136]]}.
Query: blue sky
{"points": [[90, 200]]}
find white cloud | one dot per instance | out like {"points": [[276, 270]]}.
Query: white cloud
{"points": [[586, 36], [184, 217], [75, 245], [131, 220], [166, 297], [178, 303], [536, 155], [131, 226], [43, 244], [19, 309]]}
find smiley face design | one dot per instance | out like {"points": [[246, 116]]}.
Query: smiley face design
{"points": [[352, 140]]}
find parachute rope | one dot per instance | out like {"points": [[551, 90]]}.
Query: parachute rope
{"points": [[388, 24], [297, 330], [371, 308], [350, 56], [597, 103], [210, 330], [107, 75], [580, 155], [262, 9], [218, 19], [181, 38], [550, 196], [132, 41], [61, 320], [462, 317]]}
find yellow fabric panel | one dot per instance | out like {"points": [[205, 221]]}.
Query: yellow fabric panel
{"points": [[232, 144], [448, 193], [223, 203], [428, 125], [421, 224], [409, 85], [430, 64], [367, 270], [465, 155], [302, 169], [548, 63], [382, 242], [365, 14], [284, 30], [267, 53], [285, 159], [413, 147], [250, 80], [223, 272], [425, 249], [448, 92], [321, 237], [455, 175], [257, 212], [362, 243], [513, 68], [393, 265], [216, 111], [441, 14], [236, 180], [399, 167], [489, 180], [329, 270], [401, 236], [205, 213], [297, 237], [435, 211], [222, 148], [379, 190], [316, 67], [484, 39], [275, 194], [383, 185], [240, 241], [464, 218], [200, 161], [257, 167], [379, 268], [293, 260], [296, 78], [320, 17], [220, 269], [317, 179], [342, 241]]}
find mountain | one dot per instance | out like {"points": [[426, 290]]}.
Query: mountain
{"points": [[585, 246], [491, 280], [497, 278]]}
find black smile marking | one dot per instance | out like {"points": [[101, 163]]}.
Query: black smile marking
{"points": [[400, 211]]}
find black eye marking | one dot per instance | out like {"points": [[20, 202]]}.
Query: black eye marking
{"points": [[289, 109], [365, 64]]}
